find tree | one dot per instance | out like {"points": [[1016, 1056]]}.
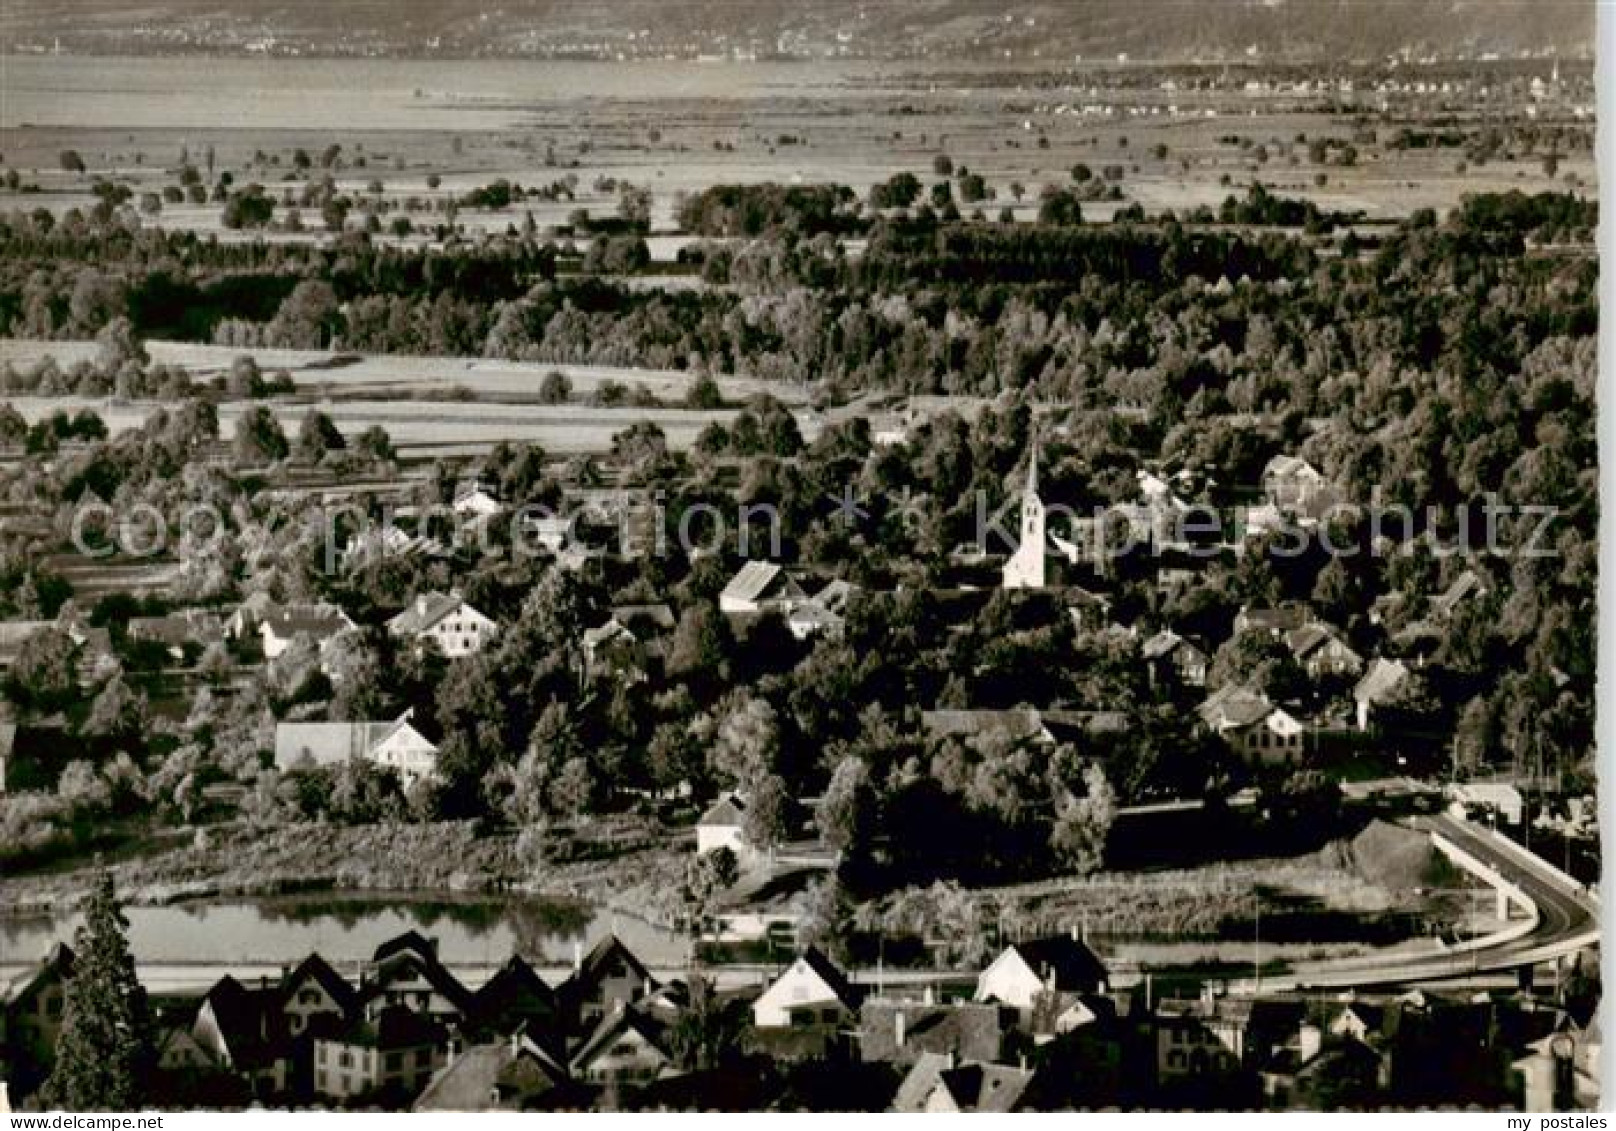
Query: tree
{"points": [[706, 877], [847, 807], [375, 445], [700, 643], [71, 161], [105, 1051], [556, 388], [249, 207], [118, 712], [44, 675], [1084, 823], [117, 346], [942, 165], [764, 823], [259, 438], [748, 741], [317, 435], [1059, 206], [707, 1032]]}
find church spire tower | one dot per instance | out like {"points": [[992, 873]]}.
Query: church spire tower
{"points": [[1025, 569]]}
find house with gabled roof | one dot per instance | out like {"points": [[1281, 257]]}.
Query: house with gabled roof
{"points": [[282, 626], [405, 972], [474, 501], [1253, 727], [313, 990], [515, 998], [760, 587], [1167, 650], [33, 1004], [1468, 586], [627, 1046], [445, 621], [390, 1055], [824, 612], [1321, 651], [899, 1032], [1380, 685], [515, 1073], [811, 991], [1023, 970], [186, 630], [940, 1085], [241, 1029], [1021, 724], [723, 826], [394, 745], [1276, 621], [607, 977], [631, 637]]}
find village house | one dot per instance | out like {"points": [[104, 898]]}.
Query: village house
{"points": [[553, 532], [33, 1005], [405, 972], [446, 622], [1468, 586], [628, 1046], [513, 1074], [631, 638], [179, 634], [1167, 650], [1495, 800], [390, 1056], [514, 998], [1293, 485], [393, 745], [1019, 724], [1024, 970], [1321, 652], [608, 977], [241, 1030], [1380, 685], [723, 826], [821, 613], [1277, 622], [760, 587], [938, 1084], [1253, 728], [313, 992], [280, 627], [812, 991], [896, 1031]]}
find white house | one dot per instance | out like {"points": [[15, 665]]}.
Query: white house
{"points": [[281, 627], [1292, 484], [1059, 964], [722, 826], [397, 745], [810, 992], [445, 620]]}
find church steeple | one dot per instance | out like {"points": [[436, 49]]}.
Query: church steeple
{"points": [[1025, 569]]}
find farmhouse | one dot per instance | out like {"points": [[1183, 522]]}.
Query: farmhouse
{"points": [[812, 991], [722, 826], [446, 622], [1253, 727]]}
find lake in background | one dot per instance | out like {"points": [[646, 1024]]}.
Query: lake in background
{"points": [[347, 931]]}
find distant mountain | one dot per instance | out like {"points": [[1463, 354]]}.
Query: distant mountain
{"points": [[1292, 30]]}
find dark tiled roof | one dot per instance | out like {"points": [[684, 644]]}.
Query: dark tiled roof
{"points": [[1073, 965], [968, 1030]]}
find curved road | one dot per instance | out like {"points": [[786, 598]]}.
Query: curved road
{"points": [[1566, 920]]}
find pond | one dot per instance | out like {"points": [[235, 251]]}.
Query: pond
{"points": [[348, 929]]}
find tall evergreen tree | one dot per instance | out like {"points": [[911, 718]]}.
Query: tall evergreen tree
{"points": [[105, 1052]]}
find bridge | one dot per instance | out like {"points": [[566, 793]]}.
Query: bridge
{"points": [[1555, 917]]}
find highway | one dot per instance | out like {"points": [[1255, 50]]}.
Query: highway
{"points": [[1562, 919]]}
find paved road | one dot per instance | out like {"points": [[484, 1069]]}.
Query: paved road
{"points": [[1567, 920]]}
